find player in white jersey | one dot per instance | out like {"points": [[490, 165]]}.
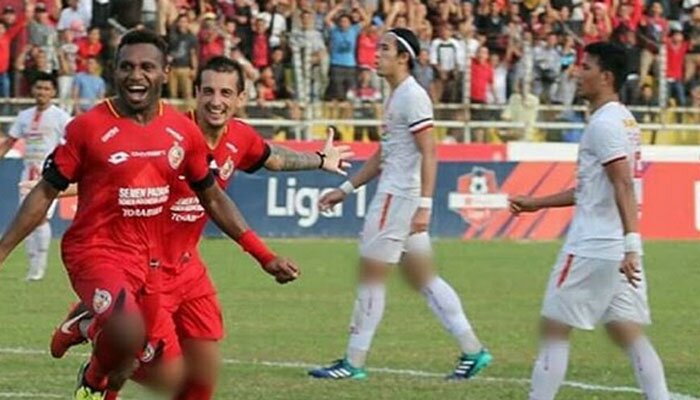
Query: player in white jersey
{"points": [[396, 226], [41, 127], [598, 277]]}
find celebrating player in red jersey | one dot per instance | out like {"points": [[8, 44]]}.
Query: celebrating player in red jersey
{"points": [[127, 155], [189, 300]]}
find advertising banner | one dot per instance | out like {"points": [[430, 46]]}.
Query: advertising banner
{"points": [[470, 199]]}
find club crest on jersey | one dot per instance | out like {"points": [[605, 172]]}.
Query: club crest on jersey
{"points": [[148, 353], [175, 155], [227, 169], [101, 301]]}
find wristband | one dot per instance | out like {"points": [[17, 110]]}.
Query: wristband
{"points": [[251, 243], [426, 202], [633, 243], [347, 187], [323, 158]]}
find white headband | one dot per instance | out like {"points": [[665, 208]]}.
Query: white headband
{"points": [[404, 43]]}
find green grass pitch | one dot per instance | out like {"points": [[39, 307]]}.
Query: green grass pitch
{"points": [[274, 331]]}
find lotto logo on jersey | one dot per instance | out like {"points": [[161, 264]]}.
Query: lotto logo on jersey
{"points": [[118, 158], [477, 196]]}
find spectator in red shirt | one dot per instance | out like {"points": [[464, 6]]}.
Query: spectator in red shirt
{"points": [[88, 47], [7, 35], [481, 83], [211, 43], [261, 46], [628, 15], [367, 43], [676, 48]]}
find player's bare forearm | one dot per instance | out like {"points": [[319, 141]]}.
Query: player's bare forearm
{"points": [[428, 171], [223, 211], [285, 159], [621, 178], [30, 215], [370, 170], [561, 199]]}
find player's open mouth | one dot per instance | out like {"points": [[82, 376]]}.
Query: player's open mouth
{"points": [[136, 92], [215, 113]]}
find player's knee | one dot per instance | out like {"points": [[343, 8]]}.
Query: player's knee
{"points": [[550, 329], [203, 361], [623, 334], [372, 271], [418, 278], [126, 332], [170, 375]]}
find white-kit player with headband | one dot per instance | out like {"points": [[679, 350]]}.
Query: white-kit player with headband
{"points": [[396, 226]]}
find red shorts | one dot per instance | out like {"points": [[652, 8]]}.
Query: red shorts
{"points": [[189, 309], [175, 304]]}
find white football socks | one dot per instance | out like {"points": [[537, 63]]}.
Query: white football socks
{"points": [[445, 304], [368, 311], [648, 369], [550, 369], [37, 246]]}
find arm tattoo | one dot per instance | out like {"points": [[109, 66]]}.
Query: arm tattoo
{"points": [[291, 160]]}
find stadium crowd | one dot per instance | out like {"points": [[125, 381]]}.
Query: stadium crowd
{"points": [[484, 41]]}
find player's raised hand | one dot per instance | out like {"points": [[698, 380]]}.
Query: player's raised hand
{"points": [[420, 221], [330, 199], [26, 186], [336, 158], [519, 204], [282, 269], [630, 267]]}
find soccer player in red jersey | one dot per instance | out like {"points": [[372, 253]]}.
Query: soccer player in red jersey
{"points": [[127, 155], [194, 315]]}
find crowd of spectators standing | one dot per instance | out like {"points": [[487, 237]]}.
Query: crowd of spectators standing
{"points": [[514, 53]]}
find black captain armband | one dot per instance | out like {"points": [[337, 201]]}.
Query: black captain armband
{"points": [[53, 176], [204, 183]]}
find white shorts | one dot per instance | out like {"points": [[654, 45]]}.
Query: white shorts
{"points": [[583, 292], [386, 232]]}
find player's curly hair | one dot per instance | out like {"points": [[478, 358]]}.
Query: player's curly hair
{"points": [[144, 36], [223, 64]]}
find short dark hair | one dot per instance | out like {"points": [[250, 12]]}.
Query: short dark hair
{"points": [[223, 64], [409, 37], [42, 76], [143, 36], [611, 57]]}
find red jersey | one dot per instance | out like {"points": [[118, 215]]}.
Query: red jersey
{"points": [[240, 147], [126, 173]]}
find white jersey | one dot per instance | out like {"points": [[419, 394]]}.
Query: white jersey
{"points": [[41, 130], [596, 231], [407, 111]]}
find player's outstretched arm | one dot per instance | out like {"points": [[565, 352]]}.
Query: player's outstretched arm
{"points": [[621, 179], [224, 212], [519, 204], [330, 158], [369, 171], [30, 215], [26, 186]]}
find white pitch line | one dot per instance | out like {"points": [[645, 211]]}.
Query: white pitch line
{"points": [[392, 371], [15, 395]]}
